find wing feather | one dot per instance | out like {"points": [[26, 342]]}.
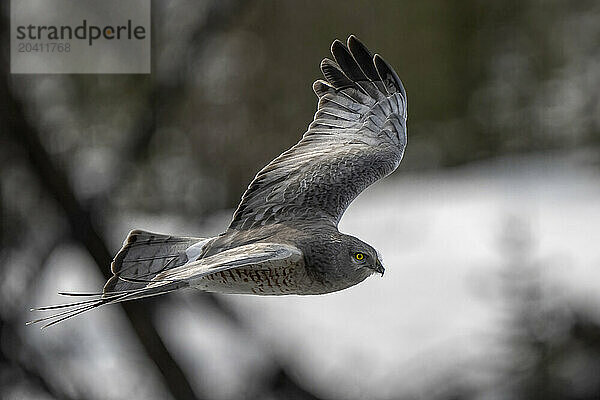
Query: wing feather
{"points": [[357, 136]]}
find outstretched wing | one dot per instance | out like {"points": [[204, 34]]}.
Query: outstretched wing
{"points": [[358, 136], [256, 255]]}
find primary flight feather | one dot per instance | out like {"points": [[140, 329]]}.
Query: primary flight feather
{"points": [[283, 238]]}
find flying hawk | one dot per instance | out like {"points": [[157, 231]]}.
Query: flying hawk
{"points": [[284, 237]]}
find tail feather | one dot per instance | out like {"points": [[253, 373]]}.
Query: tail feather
{"points": [[143, 256], [79, 307], [146, 254]]}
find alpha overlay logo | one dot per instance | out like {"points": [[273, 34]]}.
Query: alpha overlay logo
{"points": [[80, 36]]}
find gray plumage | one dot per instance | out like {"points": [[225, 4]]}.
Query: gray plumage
{"points": [[283, 238]]}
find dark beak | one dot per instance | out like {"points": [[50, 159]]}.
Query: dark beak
{"points": [[379, 268]]}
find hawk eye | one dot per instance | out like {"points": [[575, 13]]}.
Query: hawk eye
{"points": [[359, 256]]}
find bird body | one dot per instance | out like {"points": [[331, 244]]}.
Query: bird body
{"points": [[284, 238], [278, 259]]}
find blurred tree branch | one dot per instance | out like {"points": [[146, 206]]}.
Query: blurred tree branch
{"points": [[83, 229], [85, 232], [281, 385], [9, 334], [168, 94], [82, 222]]}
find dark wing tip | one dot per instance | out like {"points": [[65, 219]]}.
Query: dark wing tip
{"points": [[363, 57], [336, 43], [389, 76], [355, 63], [346, 62], [335, 76], [321, 88]]}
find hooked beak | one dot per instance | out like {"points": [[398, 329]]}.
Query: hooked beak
{"points": [[379, 268]]}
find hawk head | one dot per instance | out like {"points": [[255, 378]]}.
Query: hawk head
{"points": [[363, 257]]}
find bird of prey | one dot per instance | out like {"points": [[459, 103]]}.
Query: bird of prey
{"points": [[284, 238]]}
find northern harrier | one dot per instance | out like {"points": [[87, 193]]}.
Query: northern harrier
{"points": [[284, 238]]}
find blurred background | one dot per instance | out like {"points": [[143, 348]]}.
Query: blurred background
{"points": [[488, 228]]}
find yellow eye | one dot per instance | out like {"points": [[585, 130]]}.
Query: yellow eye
{"points": [[359, 256]]}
